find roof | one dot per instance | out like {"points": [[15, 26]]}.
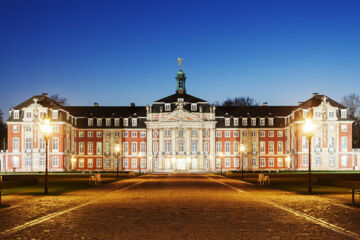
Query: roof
{"points": [[316, 101], [185, 96], [255, 111], [106, 111], [43, 100]]}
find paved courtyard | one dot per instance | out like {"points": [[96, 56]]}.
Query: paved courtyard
{"points": [[179, 206]]}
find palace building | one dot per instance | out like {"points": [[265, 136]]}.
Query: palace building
{"points": [[179, 132]]}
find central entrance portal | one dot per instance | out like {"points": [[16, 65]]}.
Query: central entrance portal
{"points": [[181, 164]]}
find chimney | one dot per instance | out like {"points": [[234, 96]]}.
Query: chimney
{"points": [[301, 103], [132, 104], [96, 104], [265, 104], [315, 94], [45, 94]]}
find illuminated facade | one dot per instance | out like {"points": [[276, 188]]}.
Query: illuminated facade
{"points": [[179, 133]]}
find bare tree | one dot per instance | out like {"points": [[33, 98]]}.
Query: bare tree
{"points": [[239, 101], [352, 103], [3, 132], [62, 100]]}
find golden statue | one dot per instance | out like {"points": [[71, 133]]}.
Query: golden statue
{"points": [[180, 62]]}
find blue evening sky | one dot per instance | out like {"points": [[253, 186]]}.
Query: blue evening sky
{"points": [[117, 52]]}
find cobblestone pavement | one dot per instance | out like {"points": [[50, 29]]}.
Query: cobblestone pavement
{"points": [[179, 206]]}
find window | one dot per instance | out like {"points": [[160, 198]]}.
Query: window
{"points": [[107, 162], [167, 146], [90, 134], [108, 122], [126, 163], [344, 161], [236, 147], [193, 133], [218, 162], [254, 162], [155, 147], [236, 162], [28, 128], [116, 122], [254, 147], [81, 134], [227, 122], [262, 121], [134, 163], [89, 163], [236, 133], [317, 142], [143, 162], [90, 122], [318, 115], [262, 162], [55, 114], [343, 128], [262, 133], [134, 122], [244, 133], [99, 122], [193, 107], [156, 133], [28, 161], [81, 162], [167, 106], [125, 147], [343, 113], [167, 133], [181, 146], [28, 143], [218, 134], [55, 144], [271, 162], [331, 161], [280, 148], [280, 162], [98, 163], [126, 122], [143, 147], [42, 161], [206, 147], [143, 134], [227, 134], [133, 147], [318, 161], [305, 160], [244, 121], [271, 122], [180, 100], [81, 148], [206, 133], [279, 133], [16, 114], [194, 147], [262, 147], [305, 112], [42, 143], [125, 134], [218, 146], [99, 148], [227, 147], [331, 114], [253, 122], [107, 148], [236, 121], [98, 134], [134, 134], [15, 128], [331, 142], [15, 161], [253, 133], [304, 143], [227, 162], [271, 133], [271, 147], [343, 143], [181, 133], [90, 148]]}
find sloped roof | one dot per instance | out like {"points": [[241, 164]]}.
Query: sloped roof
{"points": [[43, 100], [316, 101], [255, 111], [105, 111], [185, 96]]}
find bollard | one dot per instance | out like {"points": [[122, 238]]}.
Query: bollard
{"points": [[353, 196], [0, 188]]}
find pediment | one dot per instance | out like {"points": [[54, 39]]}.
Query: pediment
{"points": [[181, 115]]}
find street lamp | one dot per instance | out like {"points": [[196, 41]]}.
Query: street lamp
{"points": [[117, 151], [287, 159], [139, 163], [242, 149], [73, 162], [46, 130], [308, 129]]}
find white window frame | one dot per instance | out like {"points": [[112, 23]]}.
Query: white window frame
{"points": [[167, 107], [134, 122], [193, 107], [227, 122]]}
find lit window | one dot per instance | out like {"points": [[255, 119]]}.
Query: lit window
{"points": [[134, 122], [271, 122], [236, 121], [126, 122], [90, 163], [16, 114], [262, 162], [99, 122], [125, 134], [271, 133], [343, 128], [125, 147], [108, 122], [305, 160], [236, 133], [280, 162], [218, 134], [117, 122], [90, 122], [167, 106], [271, 162], [134, 134], [253, 122], [133, 147], [227, 134], [227, 147], [55, 161], [143, 134], [98, 163], [90, 134], [55, 114], [343, 113], [262, 121], [193, 107], [194, 133], [227, 162], [227, 122], [90, 148], [344, 161], [81, 134], [15, 128], [98, 134], [262, 133], [218, 146], [55, 144], [279, 133], [28, 114], [244, 121]]}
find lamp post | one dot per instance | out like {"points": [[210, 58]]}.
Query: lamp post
{"points": [[73, 162], [308, 129], [117, 151], [288, 161], [139, 163], [46, 130], [242, 149], [221, 162]]}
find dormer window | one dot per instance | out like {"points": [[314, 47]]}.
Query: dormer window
{"points": [[305, 112], [99, 122], [180, 100], [193, 107], [271, 122], [236, 121], [331, 114], [90, 122], [262, 121], [253, 122], [108, 122], [167, 107], [244, 121], [126, 122], [227, 122], [117, 122], [343, 113], [134, 122], [55, 114], [16, 114], [28, 114]]}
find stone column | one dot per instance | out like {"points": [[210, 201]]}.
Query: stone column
{"points": [[149, 154], [201, 150], [212, 157], [188, 148], [161, 147]]}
